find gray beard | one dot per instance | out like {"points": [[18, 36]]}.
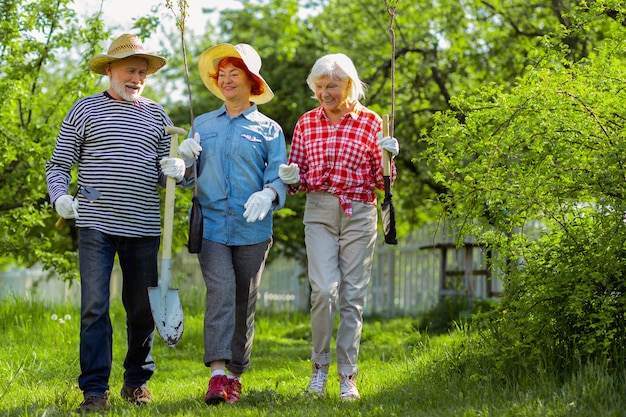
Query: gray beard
{"points": [[120, 89]]}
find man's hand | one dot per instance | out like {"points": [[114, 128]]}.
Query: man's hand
{"points": [[388, 143], [259, 204], [190, 149], [290, 174], [66, 206], [173, 167]]}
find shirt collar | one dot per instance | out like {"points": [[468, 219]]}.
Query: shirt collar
{"points": [[358, 108], [247, 113]]}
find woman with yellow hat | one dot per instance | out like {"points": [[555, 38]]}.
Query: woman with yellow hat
{"points": [[237, 150]]}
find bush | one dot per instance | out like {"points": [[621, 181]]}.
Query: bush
{"points": [[568, 302], [547, 154]]}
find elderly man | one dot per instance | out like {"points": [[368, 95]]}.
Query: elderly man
{"points": [[118, 141]]}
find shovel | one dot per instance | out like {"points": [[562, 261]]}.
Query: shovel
{"points": [[167, 310], [86, 191], [387, 210]]}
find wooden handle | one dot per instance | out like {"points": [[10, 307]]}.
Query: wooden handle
{"points": [[170, 193], [61, 220], [386, 155], [173, 130]]}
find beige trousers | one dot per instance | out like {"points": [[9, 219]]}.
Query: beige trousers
{"points": [[340, 252]]}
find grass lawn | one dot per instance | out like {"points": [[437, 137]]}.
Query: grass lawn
{"points": [[403, 372]]}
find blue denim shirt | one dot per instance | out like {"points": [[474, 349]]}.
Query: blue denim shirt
{"points": [[239, 157]]}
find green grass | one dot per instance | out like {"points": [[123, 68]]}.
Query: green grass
{"points": [[403, 372]]}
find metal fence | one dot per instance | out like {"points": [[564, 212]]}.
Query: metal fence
{"points": [[405, 278]]}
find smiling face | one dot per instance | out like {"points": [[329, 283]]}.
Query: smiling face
{"points": [[234, 83], [332, 93], [128, 77]]}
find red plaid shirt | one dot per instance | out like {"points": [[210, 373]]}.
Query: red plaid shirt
{"points": [[343, 160]]}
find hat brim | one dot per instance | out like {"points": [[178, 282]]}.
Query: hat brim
{"points": [[98, 62], [207, 66]]}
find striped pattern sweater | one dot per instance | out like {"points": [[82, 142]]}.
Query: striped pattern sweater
{"points": [[117, 147]]}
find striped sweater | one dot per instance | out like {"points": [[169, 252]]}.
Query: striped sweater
{"points": [[117, 146]]}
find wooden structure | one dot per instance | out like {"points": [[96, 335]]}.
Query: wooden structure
{"points": [[462, 278]]}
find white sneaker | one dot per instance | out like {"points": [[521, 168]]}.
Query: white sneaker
{"points": [[317, 385], [347, 388]]}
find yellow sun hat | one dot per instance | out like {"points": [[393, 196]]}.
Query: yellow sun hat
{"points": [[210, 59]]}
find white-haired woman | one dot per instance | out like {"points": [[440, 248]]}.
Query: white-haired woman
{"points": [[336, 158]]}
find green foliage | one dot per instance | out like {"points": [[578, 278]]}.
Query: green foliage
{"points": [[43, 62], [537, 173], [43, 65], [567, 304]]}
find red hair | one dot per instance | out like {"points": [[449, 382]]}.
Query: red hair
{"points": [[258, 87]]}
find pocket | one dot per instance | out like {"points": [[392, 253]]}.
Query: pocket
{"points": [[208, 142], [321, 207], [251, 147]]}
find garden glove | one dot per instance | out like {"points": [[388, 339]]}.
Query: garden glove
{"points": [[290, 174], [67, 206], [259, 204], [190, 149], [388, 143], [173, 168]]}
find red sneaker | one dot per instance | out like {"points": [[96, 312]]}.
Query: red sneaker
{"points": [[233, 390], [217, 392]]}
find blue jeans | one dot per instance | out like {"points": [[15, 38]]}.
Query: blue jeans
{"points": [[138, 261]]}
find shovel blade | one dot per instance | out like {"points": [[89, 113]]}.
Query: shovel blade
{"points": [[389, 221], [89, 192], [167, 312]]}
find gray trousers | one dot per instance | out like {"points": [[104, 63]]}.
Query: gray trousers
{"points": [[340, 252], [232, 275]]}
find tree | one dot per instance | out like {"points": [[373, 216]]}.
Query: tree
{"points": [[536, 172], [37, 86]]}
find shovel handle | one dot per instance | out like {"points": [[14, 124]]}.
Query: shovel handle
{"points": [[59, 222], [170, 193], [386, 156], [173, 130]]}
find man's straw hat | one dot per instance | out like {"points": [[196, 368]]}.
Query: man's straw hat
{"points": [[209, 60], [123, 47]]}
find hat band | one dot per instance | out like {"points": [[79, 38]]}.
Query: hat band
{"points": [[124, 48]]}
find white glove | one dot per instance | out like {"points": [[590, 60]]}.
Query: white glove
{"points": [[66, 206], [190, 149], [290, 174], [173, 167], [259, 204], [388, 143]]}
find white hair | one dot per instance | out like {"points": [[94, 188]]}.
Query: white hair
{"points": [[339, 67]]}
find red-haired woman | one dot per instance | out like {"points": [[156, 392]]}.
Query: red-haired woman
{"points": [[238, 151]]}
